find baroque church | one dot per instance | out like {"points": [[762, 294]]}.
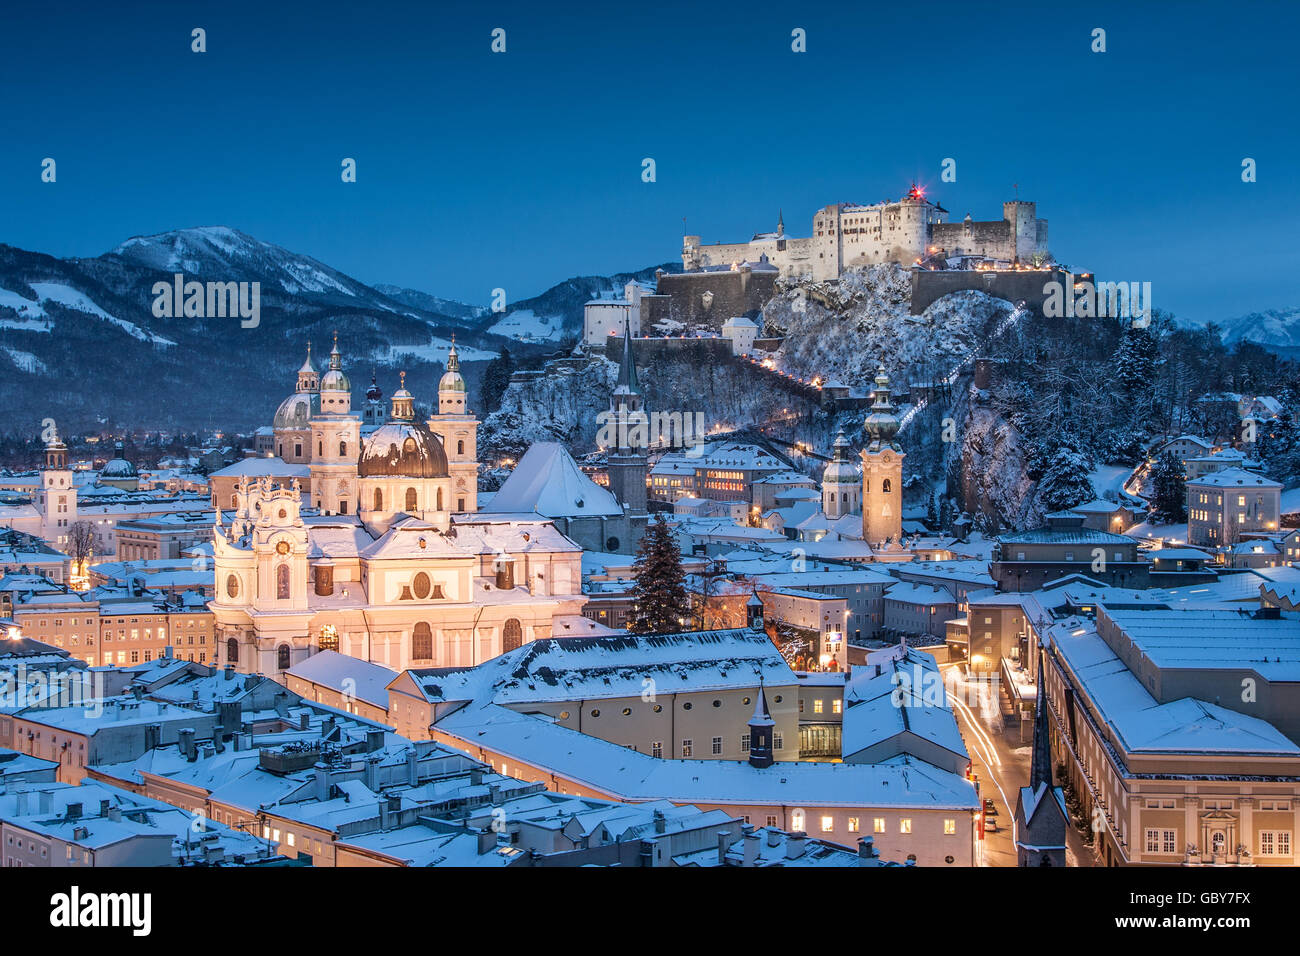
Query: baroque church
{"points": [[380, 554]]}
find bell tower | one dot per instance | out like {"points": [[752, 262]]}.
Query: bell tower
{"points": [[457, 428], [882, 470], [336, 441]]}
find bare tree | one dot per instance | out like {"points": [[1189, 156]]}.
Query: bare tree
{"points": [[81, 544]]}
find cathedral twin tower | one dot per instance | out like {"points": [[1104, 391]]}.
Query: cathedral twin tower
{"points": [[878, 488], [399, 465]]}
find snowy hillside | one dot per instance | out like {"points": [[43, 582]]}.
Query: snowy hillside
{"points": [[845, 331]]}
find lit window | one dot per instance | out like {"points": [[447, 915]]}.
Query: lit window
{"points": [[828, 824], [949, 827], [905, 825], [879, 824]]}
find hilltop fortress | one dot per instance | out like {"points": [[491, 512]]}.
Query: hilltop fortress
{"points": [[907, 231]]}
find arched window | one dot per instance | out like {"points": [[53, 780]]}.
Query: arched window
{"points": [[411, 501], [460, 447], [439, 499], [884, 486], [379, 500], [421, 585], [422, 642], [343, 449], [282, 582], [282, 657], [232, 586], [866, 486], [234, 501], [232, 651], [512, 635]]}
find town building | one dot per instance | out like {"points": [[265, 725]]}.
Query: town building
{"points": [[1223, 505]]}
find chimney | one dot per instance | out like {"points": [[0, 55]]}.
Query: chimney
{"points": [[794, 845], [152, 736], [228, 717], [374, 740], [476, 777], [185, 742], [304, 720], [167, 652], [773, 837], [74, 811], [115, 814], [385, 814], [372, 773], [412, 767], [322, 784], [866, 850], [752, 841], [103, 807], [229, 672], [660, 822], [724, 841], [138, 692]]}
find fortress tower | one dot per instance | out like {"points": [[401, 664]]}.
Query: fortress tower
{"points": [[882, 470]]}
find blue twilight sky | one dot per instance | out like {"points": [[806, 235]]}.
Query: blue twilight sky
{"points": [[478, 170]]}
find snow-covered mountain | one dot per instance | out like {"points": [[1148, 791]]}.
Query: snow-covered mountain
{"points": [[79, 340], [556, 314], [1273, 327]]}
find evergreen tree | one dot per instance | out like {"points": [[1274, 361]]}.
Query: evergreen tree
{"points": [[1135, 360], [1065, 481], [1169, 499], [495, 379], [932, 513], [659, 603], [945, 514]]}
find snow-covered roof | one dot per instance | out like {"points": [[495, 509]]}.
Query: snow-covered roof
{"points": [[341, 672], [921, 594], [262, 468], [549, 482], [1234, 478]]}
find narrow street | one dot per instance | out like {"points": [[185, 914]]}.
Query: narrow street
{"points": [[1000, 760]]}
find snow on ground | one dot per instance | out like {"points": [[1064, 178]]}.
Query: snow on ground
{"points": [[1109, 478], [1150, 530], [26, 309], [527, 326], [26, 361], [434, 351], [72, 299]]}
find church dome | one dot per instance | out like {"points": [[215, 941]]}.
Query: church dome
{"points": [[406, 449], [297, 410], [335, 381], [451, 382], [118, 467], [842, 469]]}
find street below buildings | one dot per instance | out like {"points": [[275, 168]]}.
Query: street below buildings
{"points": [[1000, 760]]}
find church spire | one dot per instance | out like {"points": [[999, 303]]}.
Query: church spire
{"points": [[453, 359], [1040, 768], [760, 731], [627, 380], [336, 357]]}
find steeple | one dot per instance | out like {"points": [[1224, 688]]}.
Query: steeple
{"points": [[882, 423], [336, 357], [1040, 767], [627, 381], [780, 223], [760, 731], [451, 387], [453, 360], [307, 375]]}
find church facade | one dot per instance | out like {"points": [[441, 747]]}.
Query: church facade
{"points": [[385, 557]]}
